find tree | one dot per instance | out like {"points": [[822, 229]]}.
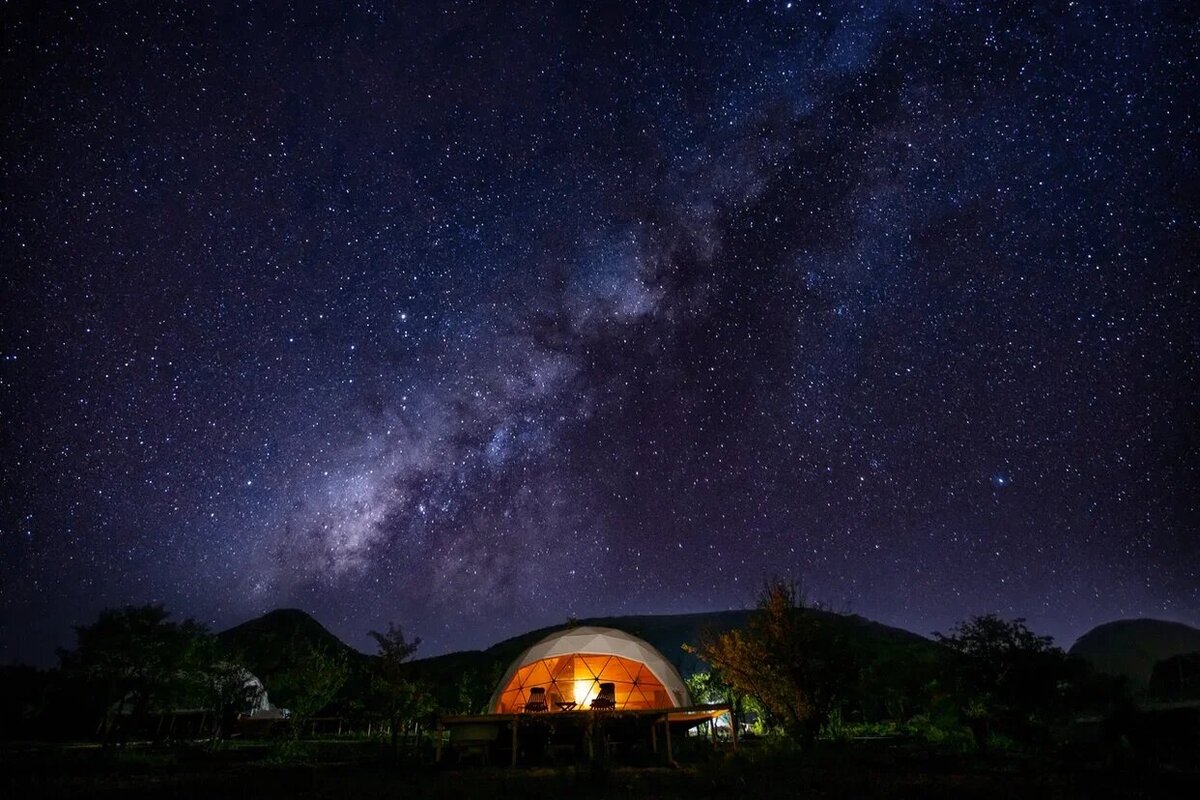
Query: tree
{"points": [[1008, 677], [897, 682], [709, 687], [474, 688], [400, 699], [311, 684], [134, 660], [790, 658], [228, 693], [223, 685]]}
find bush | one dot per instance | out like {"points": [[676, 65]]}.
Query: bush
{"points": [[291, 751], [944, 731]]}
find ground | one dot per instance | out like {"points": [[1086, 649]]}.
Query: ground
{"points": [[351, 770]]}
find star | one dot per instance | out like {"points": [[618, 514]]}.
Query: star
{"points": [[504, 318]]}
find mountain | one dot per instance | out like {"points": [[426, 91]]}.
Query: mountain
{"points": [[1130, 647], [271, 644], [668, 634]]}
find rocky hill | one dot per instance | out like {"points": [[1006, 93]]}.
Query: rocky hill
{"points": [[1131, 647], [270, 644]]}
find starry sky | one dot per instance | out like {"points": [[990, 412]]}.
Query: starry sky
{"points": [[477, 315]]}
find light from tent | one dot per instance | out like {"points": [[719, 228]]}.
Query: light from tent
{"points": [[586, 691], [576, 678]]}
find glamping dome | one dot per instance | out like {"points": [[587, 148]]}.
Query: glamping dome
{"points": [[589, 668]]}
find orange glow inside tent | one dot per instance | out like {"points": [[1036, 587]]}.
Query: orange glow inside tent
{"points": [[576, 678]]}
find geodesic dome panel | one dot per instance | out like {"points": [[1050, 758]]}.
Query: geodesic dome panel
{"points": [[570, 666]]}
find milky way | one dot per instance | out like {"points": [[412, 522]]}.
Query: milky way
{"points": [[474, 316]]}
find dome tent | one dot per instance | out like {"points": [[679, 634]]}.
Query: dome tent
{"points": [[573, 689], [571, 666]]}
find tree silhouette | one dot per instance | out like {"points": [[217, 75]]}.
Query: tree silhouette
{"points": [[1007, 676], [311, 684], [393, 692], [223, 685], [134, 660], [794, 662]]}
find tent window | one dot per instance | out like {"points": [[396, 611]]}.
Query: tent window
{"points": [[576, 678]]}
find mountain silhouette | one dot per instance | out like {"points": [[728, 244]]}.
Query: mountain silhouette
{"points": [[1131, 647]]}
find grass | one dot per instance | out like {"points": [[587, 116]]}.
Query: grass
{"points": [[358, 770]]}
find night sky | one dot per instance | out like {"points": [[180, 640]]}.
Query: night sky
{"points": [[473, 316]]}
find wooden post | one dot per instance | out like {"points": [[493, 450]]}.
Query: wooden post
{"points": [[654, 736], [514, 740], [437, 757], [670, 758], [733, 729]]}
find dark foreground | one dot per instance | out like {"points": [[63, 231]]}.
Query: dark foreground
{"points": [[358, 771]]}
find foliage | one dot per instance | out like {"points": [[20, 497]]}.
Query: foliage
{"points": [[474, 688], [291, 751], [400, 699], [224, 686], [707, 687], [311, 684], [897, 682], [796, 664], [1009, 681], [394, 649], [839, 728], [135, 660], [943, 731]]}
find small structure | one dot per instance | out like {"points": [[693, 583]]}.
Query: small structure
{"points": [[193, 722], [582, 691]]}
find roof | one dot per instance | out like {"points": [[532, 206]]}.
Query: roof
{"points": [[599, 641]]}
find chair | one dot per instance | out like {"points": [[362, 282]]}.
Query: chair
{"points": [[537, 700], [607, 698]]}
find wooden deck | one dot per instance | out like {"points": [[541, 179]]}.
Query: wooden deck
{"points": [[582, 731]]}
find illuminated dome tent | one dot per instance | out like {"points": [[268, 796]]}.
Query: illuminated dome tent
{"points": [[582, 690], [584, 667]]}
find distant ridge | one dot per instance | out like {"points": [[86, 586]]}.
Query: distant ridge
{"points": [[1131, 647], [270, 644], [668, 633]]}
